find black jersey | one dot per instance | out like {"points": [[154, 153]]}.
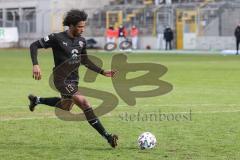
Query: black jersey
{"points": [[68, 52]]}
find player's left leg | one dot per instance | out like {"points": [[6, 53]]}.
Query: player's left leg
{"points": [[93, 120], [34, 101], [237, 47]]}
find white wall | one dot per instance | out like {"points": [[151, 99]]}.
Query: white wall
{"points": [[142, 42], [215, 43]]}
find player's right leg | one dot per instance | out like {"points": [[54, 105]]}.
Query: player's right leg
{"points": [[93, 120]]}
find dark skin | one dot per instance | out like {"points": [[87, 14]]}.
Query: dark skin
{"points": [[77, 98]]}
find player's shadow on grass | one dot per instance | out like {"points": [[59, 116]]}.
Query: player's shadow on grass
{"points": [[97, 148], [109, 148]]}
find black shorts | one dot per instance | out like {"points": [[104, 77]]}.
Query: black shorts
{"points": [[67, 88]]}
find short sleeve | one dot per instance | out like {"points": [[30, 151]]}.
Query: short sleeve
{"points": [[48, 41]]}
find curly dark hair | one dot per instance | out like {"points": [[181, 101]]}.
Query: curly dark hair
{"points": [[74, 16]]}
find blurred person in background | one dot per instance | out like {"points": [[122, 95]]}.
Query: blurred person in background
{"points": [[122, 35], [237, 35], [134, 36], [168, 36], [110, 35]]}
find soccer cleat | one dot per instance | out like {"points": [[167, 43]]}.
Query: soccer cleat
{"points": [[112, 140], [33, 102]]}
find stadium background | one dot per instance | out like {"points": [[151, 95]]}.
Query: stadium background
{"points": [[205, 83], [197, 24]]}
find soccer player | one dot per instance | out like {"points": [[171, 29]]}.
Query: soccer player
{"points": [[69, 51], [237, 35]]}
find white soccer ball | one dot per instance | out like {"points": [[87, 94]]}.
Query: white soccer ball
{"points": [[147, 140]]}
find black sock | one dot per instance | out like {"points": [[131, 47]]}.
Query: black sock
{"points": [[95, 122], [53, 101]]}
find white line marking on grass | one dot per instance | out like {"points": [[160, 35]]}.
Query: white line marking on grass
{"points": [[199, 112], [24, 118], [2, 119], [54, 117], [144, 105], [182, 104]]}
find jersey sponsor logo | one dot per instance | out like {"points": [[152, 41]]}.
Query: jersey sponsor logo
{"points": [[74, 53], [81, 43], [46, 38], [75, 59]]}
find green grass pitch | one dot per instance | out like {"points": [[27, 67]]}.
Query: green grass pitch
{"points": [[206, 85]]}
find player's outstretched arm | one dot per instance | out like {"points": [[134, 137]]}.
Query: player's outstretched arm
{"points": [[90, 65], [36, 71]]}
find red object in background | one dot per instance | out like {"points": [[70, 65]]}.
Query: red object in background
{"points": [[110, 33], [134, 32]]}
